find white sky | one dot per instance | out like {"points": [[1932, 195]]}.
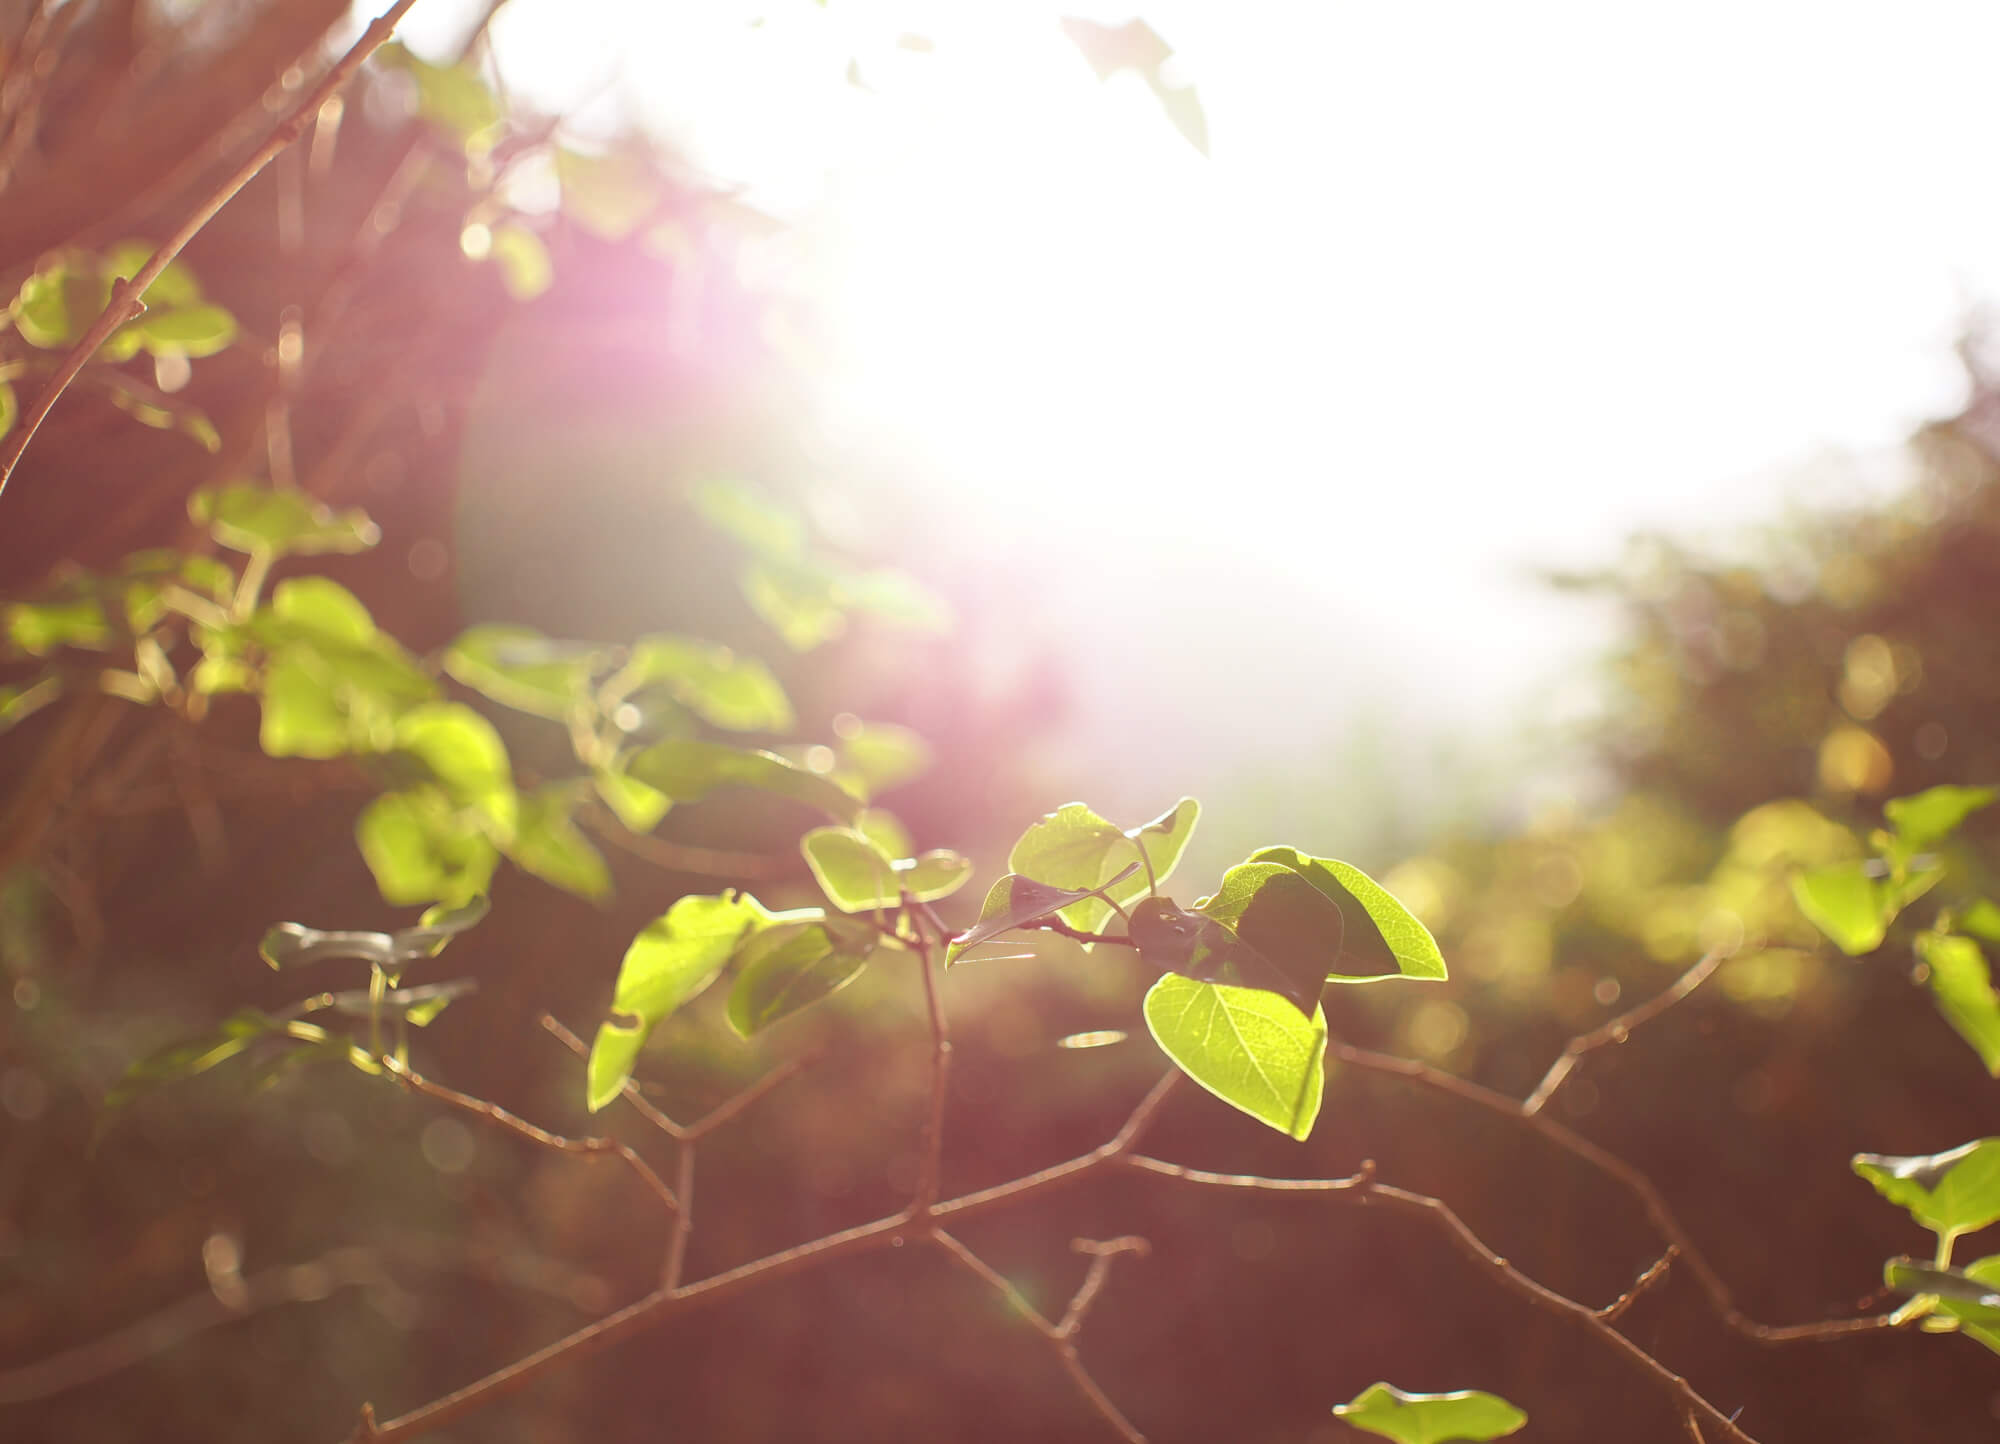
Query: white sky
{"points": [[1466, 287]]}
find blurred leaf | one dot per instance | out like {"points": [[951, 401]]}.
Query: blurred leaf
{"points": [[41, 310], [334, 683], [418, 1006], [518, 667], [1981, 918], [466, 756], [609, 194], [1014, 902], [855, 875], [895, 596], [423, 848], [1250, 1048], [723, 689], [882, 754], [525, 268], [317, 608], [1385, 940], [784, 969], [548, 843], [766, 528], [10, 407], [1962, 984], [797, 601], [676, 956], [638, 806], [1934, 814], [248, 518], [1845, 903], [1948, 1193], [39, 628], [885, 831], [936, 874], [687, 770], [455, 98], [192, 331], [193, 1056], [175, 286], [1466, 1414], [1960, 1293], [1073, 847], [293, 945]]}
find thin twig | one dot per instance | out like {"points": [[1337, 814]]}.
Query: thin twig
{"points": [[1362, 1187], [515, 1124], [932, 1166], [1655, 1271], [1061, 1339], [124, 303], [677, 1242], [1619, 1029]]}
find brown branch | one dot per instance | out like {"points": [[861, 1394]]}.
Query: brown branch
{"points": [[1619, 1029], [1101, 1252], [1362, 1187], [931, 1169], [124, 303], [1655, 1271], [519, 1126], [1061, 1340]]}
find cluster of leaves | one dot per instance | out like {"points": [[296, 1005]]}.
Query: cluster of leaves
{"points": [[1951, 1193], [71, 289], [1855, 904]]}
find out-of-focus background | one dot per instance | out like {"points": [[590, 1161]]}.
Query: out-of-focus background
{"points": [[1540, 453]]}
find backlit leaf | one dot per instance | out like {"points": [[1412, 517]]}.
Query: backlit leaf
{"points": [[518, 667], [687, 770], [1845, 903], [1195, 946], [671, 961], [935, 874], [1948, 1193], [283, 523], [1962, 984], [1073, 847], [422, 847], [784, 969], [855, 875], [464, 753], [39, 628], [1382, 939], [1013, 902], [882, 754], [1934, 814], [549, 844], [292, 945], [718, 686], [1465, 1414], [638, 806], [193, 331], [1250, 1048]]}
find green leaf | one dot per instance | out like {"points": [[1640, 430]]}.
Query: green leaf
{"points": [[1252, 1049], [885, 831], [418, 1006], [455, 98], [1384, 940], [17, 704], [192, 331], [317, 609], [1194, 946], [936, 874], [10, 407], [766, 528], [39, 628], [784, 969], [687, 770], [855, 875], [608, 194], [525, 268], [281, 523], [1465, 1414], [423, 848], [548, 843], [1949, 1193], [42, 313], [1845, 903], [1960, 1293], [518, 667], [1935, 813], [174, 286], [796, 600], [1962, 984], [1981, 918], [189, 1057], [293, 945], [676, 956], [881, 754], [721, 688], [1015, 902], [1073, 847], [894, 596], [464, 753], [638, 806]]}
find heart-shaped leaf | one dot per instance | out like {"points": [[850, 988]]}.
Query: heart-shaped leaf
{"points": [[1073, 847], [1466, 1414], [1382, 938], [548, 843], [1949, 1193], [932, 875], [422, 847], [855, 874], [1198, 947], [718, 686], [518, 667], [1250, 1048], [280, 523]]}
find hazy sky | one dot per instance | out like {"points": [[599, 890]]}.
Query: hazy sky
{"points": [[1464, 288]]}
